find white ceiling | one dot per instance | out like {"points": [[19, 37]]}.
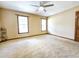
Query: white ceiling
{"points": [[25, 6]]}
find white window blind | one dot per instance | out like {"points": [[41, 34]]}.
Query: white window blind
{"points": [[23, 24], [43, 24]]}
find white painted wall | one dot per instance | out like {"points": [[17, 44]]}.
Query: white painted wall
{"points": [[63, 24]]}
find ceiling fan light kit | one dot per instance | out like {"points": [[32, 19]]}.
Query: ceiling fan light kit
{"points": [[41, 8]]}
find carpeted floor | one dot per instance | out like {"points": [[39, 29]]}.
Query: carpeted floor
{"points": [[43, 46]]}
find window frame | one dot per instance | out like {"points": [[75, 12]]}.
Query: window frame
{"points": [[46, 25], [18, 24]]}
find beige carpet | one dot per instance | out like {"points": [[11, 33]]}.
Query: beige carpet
{"points": [[43, 46]]}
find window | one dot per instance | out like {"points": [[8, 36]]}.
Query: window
{"points": [[44, 24], [22, 24]]}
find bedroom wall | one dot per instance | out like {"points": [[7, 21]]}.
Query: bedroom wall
{"points": [[9, 19], [63, 23]]}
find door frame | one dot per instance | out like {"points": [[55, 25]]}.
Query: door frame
{"points": [[76, 26]]}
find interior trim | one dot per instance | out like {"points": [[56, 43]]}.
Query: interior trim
{"points": [[23, 37], [76, 25], [61, 36]]}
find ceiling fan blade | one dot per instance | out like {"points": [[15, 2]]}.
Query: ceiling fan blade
{"points": [[35, 5], [44, 10], [41, 3], [48, 5]]}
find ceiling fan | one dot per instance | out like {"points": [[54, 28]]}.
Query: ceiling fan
{"points": [[42, 5]]}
